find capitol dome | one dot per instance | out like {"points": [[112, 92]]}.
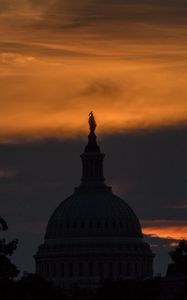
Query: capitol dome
{"points": [[93, 212], [93, 235]]}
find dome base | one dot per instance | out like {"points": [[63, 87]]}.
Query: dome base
{"points": [[85, 263]]}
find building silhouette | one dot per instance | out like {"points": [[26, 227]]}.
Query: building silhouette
{"points": [[93, 235]]}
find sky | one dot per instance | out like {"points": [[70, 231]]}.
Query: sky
{"points": [[126, 61]]}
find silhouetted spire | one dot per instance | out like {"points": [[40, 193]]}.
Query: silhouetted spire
{"points": [[92, 158]]}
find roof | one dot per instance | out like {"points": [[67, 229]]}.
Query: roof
{"points": [[96, 212]]}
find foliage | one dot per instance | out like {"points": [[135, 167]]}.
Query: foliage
{"points": [[8, 270], [3, 224], [129, 290], [31, 287], [179, 256]]}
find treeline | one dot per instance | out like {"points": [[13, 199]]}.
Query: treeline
{"points": [[34, 287]]}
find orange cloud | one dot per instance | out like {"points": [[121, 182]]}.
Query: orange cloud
{"points": [[166, 229], [54, 70]]}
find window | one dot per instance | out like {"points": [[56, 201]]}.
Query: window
{"points": [[54, 270], [136, 268], [74, 224], [80, 269], [119, 268], [110, 268], [121, 224], [90, 224], [90, 267], [91, 167], [47, 269], [82, 224], [100, 269], [62, 269], [128, 269], [67, 224], [41, 267], [71, 269]]}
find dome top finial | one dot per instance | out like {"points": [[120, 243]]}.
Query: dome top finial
{"points": [[92, 122], [92, 138]]}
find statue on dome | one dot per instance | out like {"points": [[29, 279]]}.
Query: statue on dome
{"points": [[92, 122]]}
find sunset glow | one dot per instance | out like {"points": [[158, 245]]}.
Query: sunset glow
{"points": [[166, 229], [52, 78]]}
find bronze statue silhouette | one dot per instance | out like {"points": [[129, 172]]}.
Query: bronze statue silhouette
{"points": [[92, 122]]}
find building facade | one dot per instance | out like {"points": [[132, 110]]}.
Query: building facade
{"points": [[93, 235]]}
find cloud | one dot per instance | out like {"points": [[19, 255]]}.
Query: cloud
{"points": [[105, 18], [39, 101], [148, 168], [125, 60], [7, 174], [154, 172], [17, 59], [174, 229]]}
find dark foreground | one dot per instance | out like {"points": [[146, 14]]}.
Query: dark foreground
{"points": [[33, 287]]}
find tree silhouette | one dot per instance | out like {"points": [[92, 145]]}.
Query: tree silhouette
{"points": [[8, 270], [34, 287], [129, 290], [179, 256]]}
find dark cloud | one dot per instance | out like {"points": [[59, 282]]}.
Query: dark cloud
{"points": [[147, 169], [91, 12], [101, 17], [154, 167], [101, 87]]}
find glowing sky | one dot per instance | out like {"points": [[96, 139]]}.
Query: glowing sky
{"points": [[124, 59]]}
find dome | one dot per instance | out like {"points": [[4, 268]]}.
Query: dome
{"points": [[95, 212], [93, 235]]}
